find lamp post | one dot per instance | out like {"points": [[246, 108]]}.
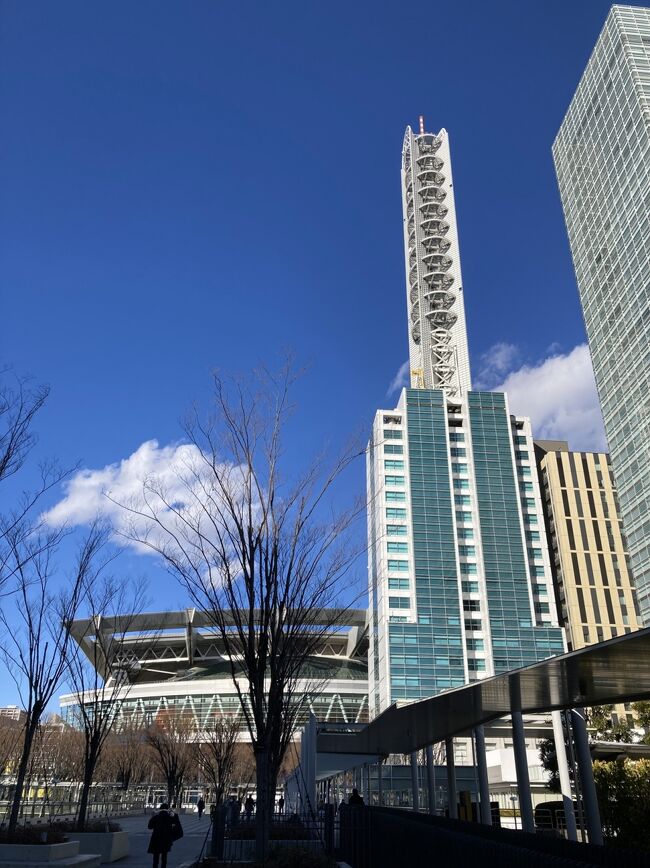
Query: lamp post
{"points": [[513, 799]]}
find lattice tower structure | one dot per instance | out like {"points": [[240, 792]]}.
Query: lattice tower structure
{"points": [[438, 353]]}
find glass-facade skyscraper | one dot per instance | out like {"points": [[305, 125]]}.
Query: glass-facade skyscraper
{"points": [[602, 160], [460, 582]]}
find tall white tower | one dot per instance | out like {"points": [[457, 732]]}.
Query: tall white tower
{"points": [[437, 337]]}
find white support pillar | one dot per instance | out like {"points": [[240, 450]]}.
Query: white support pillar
{"points": [[431, 779], [485, 811], [415, 783], [452, 796], [585, 769], [565, 778], [523, 780]]}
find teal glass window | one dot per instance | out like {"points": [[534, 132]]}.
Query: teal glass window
{"points": [[529, 502], [470, 587], [526, 486], [537, 571], [532, 535], [392, 464], [476, 665], [392, 434], [462, 499], [474, 644], [398, 565], [396, 530], [398, 584], [462, 484], [542, 608], [530, 519], [399, 602], [394, 480], [465, 533], [458, 452], [520, 440], [525, 471], [535, 553], [468, 551], [398, 547], [522, 455], [472, 605], [542, 590], [463, 516], [393, 449], [468, 569], [458, 468], [399, 496], [456, 437], [395, 512]]}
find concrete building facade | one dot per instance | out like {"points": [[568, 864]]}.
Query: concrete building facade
{"points": [[595, 595], [602, 160]]}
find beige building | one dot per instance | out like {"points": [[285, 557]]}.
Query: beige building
{"points": [[595, 594]]}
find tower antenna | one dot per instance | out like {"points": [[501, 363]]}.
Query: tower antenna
{"points": [[421, 125]]}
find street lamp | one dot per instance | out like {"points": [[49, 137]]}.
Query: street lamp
{"points": [[513, 799]]}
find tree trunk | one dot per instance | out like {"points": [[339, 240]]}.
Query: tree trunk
{"points": [[85, 792], [263, 805], [30, 731]]}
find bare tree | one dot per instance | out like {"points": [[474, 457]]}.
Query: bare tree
{"points": [[100, 672], [10, 733], [216, 753], [126, 757], [36, 642], [172, 738], [266, 558]]}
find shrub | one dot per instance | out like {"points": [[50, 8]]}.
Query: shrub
{"points": [[33, 835]]}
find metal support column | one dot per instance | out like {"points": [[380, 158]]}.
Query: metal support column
{"points": [[483, 784], [431, 779], [415, 783], [586, 772], [523, 780], [452, 797], [368, 787], [565, 779], [380, 784]]}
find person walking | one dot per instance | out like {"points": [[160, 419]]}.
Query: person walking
{"points": [[166, 828], [356, 798], [249, 806], [200, 806]]}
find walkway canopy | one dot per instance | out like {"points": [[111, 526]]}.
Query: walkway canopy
{"points": [[614, 671]]}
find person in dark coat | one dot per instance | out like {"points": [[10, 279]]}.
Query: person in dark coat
{"points": [[166, 829], [356, 798], [200, 806]]}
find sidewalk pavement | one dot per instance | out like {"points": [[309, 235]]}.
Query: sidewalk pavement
{"points": [[185, 850]]}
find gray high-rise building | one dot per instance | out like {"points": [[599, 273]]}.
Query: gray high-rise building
{"points": [[602, 160]]}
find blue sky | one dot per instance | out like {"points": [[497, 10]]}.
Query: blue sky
{"points": [[189, 185]]}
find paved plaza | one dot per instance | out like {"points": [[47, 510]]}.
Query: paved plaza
{"points": [[185, 850]]}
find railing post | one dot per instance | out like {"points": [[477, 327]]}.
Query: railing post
{"points": [[329, 829], [415, 783], [431, 779], [452, 797]]}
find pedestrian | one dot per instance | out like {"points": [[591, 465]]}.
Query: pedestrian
{"points": [[355, 799], [249, 805], [166, 828], [281, 804], [200, 805]]}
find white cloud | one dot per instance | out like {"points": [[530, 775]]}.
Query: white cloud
{"points": [[559, 394], [401, 379], [495, 364], [104, 492]]}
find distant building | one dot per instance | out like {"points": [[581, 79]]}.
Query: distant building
{"points": [[602, 160], [595, 595], [13, 712]]}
